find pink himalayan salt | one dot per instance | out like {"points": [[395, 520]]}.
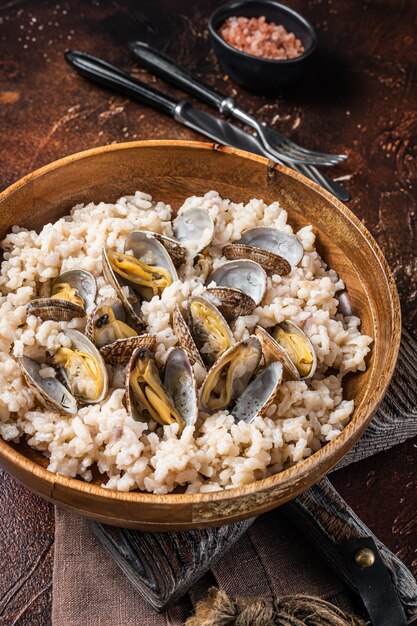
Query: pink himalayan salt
{"points": [[261, 38]]}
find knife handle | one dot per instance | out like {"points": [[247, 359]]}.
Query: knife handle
{"points": [[103, 73], [164, 67]]}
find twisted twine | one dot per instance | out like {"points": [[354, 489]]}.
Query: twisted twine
{"points": [[220, 610]]}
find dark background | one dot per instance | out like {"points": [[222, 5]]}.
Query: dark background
{"points": [[359, 97]]}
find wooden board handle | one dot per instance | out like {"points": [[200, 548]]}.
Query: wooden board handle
{"points": [[326, 519]]}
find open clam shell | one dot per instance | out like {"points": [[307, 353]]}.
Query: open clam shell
{"points": [[209, 329], [131, 302], [230, 375], [180, 383], [273, 352], [146, 398], [107, 329], [107, 323], [243, 274], [72, 292], [298, 347], [276, 241], [194, 228], [148, 250], [203, 263], [185, 338], [272, 263], [230, 301], [81, 280], [259, 394], [82, 368], [49, 391]]}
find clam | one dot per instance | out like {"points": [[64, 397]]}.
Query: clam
{"points": [[273, 352], [272, 263], [180, 383], [185, 338], [150, 269], [72, 293], [107, 329], [230, 375], [259, 394], [276, 241], [209, 329], [194, 228], [146, 398], [203, 263], [243, 274], [49, 391], [107, 323], [131, 302], [230, 301], [298, 347], [82, 368]]}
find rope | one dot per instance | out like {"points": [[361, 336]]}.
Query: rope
{"points": [[220, 610]]}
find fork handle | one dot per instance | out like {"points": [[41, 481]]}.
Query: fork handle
{"points": [[164, 67]]}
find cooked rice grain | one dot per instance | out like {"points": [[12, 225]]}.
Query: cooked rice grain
{"points": [[220, 453]]}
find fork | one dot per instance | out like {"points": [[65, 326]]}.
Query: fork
{"points": [[278, 145]]}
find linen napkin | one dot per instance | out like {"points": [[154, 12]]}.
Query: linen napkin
{"points": [[271, 559]]}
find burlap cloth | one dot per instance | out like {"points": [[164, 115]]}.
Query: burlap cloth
{"points": [[271, 559]]}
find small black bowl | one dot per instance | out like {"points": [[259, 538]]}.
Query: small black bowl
{"points": [[266, 76]]}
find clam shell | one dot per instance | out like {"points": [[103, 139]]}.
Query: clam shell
{"points": [[133, 404], [198, 331], [231, 302], [83, 281], [119, 313], [272, 263], [59, 309], [176, 251], [243, 274], [290, 327], [131, 304], [146, 248], [54, 309], [203, 262], [185, 338], [194, 228], [259, 394], [246, 355], [180, 383], [283, 244], [273, 352], [120, 351], [81, 342], [52, 394]]}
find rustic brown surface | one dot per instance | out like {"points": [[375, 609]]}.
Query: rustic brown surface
{"points": [[359, 98]]}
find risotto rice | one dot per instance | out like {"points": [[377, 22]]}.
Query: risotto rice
{"points": [[219, 453]]}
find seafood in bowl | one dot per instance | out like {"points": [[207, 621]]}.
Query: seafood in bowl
{"points": [[200, 350]]}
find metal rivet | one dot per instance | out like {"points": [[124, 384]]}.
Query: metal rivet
{"points": [[364, 557]]}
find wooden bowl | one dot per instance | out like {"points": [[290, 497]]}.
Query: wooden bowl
{"points": [[171, 171]]}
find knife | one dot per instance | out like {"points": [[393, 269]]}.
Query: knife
{"points": [[217, 129]]}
